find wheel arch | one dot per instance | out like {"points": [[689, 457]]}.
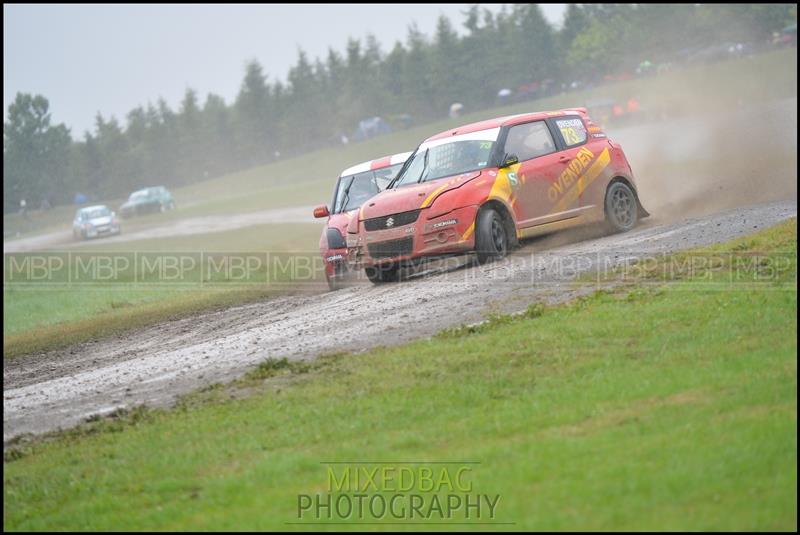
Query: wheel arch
{"points": [[619, 178], [508, 218]]}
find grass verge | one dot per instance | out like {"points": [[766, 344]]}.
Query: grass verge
{"points": [[670, 407], [38, 317]]}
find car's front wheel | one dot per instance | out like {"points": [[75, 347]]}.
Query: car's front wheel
{"points": [[622, 210], [491, 238], [383, 274]]}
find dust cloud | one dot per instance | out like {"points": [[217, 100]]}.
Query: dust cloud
{"points": [[708, 161]]}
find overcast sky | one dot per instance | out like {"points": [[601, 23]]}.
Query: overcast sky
{"points": [[112, 58]]}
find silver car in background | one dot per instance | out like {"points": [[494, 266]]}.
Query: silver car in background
{"points": [[95, 221]]}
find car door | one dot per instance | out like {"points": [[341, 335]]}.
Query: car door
{"points": [[538, 171], [583, 160]]}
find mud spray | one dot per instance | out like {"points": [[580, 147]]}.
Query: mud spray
{"points": [[728, 141], [707, 142]]}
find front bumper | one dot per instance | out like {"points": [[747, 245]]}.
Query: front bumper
{"points": [[104, 230], [335, 261], [446, 234]]}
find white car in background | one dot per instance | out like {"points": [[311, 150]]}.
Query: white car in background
{"points": [[95, 221]]}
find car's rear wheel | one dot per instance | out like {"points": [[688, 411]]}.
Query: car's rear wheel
{"points": [[491, 238], [383, 274], [622, 210]]}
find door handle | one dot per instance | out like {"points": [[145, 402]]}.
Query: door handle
{"points": [[565, 159]]}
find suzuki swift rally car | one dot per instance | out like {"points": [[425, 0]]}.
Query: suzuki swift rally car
{"points": [[354, 186], [484, 186]]}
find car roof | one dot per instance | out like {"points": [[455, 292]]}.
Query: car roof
{"points": [[374, 165], [507, 120]]}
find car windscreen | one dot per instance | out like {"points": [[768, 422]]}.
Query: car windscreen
{"points": [[139, 196], [95, 213], [353, 190], [384, 176], [443, 159]]}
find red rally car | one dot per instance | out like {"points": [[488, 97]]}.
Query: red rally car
{"points": [[484, 186], [354, 186]]}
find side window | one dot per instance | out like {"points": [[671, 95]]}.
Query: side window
{"points": [[572, 130], [529, 141]]}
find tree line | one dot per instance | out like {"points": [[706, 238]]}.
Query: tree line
{"points": [[324, 98]]}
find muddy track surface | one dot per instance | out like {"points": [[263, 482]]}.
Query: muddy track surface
{"points": [[152, 366]]}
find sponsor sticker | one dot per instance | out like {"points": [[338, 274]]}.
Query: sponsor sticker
{"points": [[447, 223], [513, 179]]}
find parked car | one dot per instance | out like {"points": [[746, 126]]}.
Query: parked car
{"points": [[147, 200], [95, 221], [484, 186], [354, 186]]}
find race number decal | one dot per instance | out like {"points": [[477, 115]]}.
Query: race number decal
{"points": [[572, 130]]}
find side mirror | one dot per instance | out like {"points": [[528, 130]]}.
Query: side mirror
{"points": [[510, 159], [321, 211]]}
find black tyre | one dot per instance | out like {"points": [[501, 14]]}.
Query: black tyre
{"points": [[383, 274], [622, 210], [333, 284], [336, 282], [491, 238]]}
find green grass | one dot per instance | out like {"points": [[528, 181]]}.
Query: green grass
{"points": [[308, 179], [38, 317], [671, 407]]}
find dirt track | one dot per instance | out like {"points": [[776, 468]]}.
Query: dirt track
{"points": [[58, 389]]}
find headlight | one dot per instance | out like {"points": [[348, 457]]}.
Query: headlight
{"points": [[335, 239]]}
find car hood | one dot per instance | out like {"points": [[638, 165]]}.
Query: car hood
{"points": [[97, 221], [407, 198]]}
